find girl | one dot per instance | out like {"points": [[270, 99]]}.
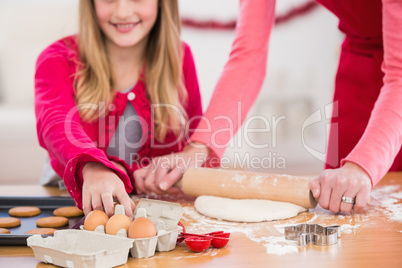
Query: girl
{"points": [[123, 90]]}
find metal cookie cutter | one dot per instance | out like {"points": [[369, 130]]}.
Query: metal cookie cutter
{"points": [[313, 233]]}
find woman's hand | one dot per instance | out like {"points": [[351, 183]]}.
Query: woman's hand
{"points": [[100, 186], [349, 181], [165, 171]]}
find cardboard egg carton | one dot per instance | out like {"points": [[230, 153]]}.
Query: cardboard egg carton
{"points": [[165, 216], [78, 249], [81, 248]]}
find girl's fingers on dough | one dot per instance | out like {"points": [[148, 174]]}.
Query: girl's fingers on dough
{"points": [[171, 178], [150, 183], [160, 173]]}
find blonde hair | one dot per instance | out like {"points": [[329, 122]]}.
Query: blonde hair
{"points": [[163, 72]]}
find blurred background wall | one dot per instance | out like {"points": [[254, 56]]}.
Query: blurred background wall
{"points": [[302, 62]]}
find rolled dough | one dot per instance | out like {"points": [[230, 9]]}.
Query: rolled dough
{"points": [[245, 210]]}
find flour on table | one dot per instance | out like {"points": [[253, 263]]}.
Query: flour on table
{"points": [[245, 210]]}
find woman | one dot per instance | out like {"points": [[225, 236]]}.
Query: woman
{"points": [[369, 114]]}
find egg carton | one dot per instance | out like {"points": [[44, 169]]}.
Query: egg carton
{"points": [[81, 249], [164, 215]]}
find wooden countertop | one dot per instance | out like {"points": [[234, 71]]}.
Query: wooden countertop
{"points": [[370, 239]]}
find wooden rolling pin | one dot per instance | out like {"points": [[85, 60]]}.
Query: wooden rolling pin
{"points": [[248, 185]]}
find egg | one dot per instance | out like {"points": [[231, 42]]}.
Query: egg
{"points": [[116, 223], [94, 219], [141, 227]]}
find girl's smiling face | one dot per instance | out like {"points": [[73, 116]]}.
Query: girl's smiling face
{"points": [[126, 23]]}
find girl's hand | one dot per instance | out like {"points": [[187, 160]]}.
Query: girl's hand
{"points": [[100, 186], [350, 181], [165, 171], [119, 166]]}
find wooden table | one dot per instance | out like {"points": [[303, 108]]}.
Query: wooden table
{"points": [[369, 239]]}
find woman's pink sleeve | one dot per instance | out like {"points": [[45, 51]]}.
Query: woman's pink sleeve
{"points": [[382, 139], [59, 125], [242, 77]]}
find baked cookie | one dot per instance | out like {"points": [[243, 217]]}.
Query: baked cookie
{"points": [[45, 231], [9, 222], [24, 211], [4, 231], [68, 212], [52, 222]]}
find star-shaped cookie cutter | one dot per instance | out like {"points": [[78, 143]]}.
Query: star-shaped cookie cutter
{"points": [[305, 234]]}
